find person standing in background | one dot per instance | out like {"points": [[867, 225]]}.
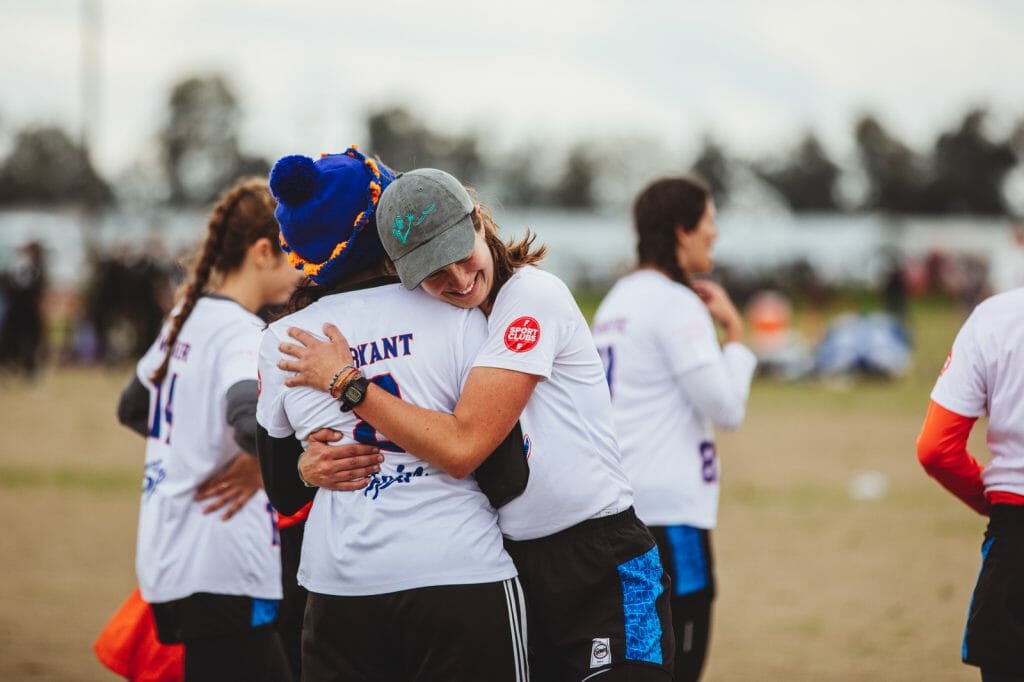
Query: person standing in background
{"points": [[208, 558], [671, 383], [983, 377], [21, 333]]}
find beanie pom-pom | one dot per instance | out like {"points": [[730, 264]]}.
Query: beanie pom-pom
{"points": [[293, 180]]}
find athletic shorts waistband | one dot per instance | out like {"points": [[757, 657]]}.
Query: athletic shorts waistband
{"points": [[623, 518], [1006, 519]]}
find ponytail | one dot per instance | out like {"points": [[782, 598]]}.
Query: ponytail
{"points": [[244, 214]]}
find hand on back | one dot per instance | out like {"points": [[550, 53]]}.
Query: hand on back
{"points": [[315, 362]]}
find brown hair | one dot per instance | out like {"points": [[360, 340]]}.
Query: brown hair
{"points": [[663, 206], [309, 292], [507, 256], [243, 215]]}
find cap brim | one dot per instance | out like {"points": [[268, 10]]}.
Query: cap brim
{"points": [[449, 247]]}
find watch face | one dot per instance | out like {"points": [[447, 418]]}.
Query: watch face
{"points": [[352, 393]]}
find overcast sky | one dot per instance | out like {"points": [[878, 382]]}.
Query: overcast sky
{"points": [[757, 74]]}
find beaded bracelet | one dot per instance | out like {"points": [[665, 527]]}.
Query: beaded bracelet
{"points": [[342, 380], [337, 375]]}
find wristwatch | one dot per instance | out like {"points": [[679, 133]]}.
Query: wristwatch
{"points": [[354, 393]]}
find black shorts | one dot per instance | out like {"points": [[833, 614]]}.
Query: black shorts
{"points": [[452, 633], [211, 615], [597, 597], [227, 638], [994, 637]]}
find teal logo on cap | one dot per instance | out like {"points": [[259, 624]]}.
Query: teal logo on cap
{"points": [[401, 227]]}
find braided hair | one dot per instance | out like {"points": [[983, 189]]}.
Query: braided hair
{"points": [[242, 215], [663, 206]]}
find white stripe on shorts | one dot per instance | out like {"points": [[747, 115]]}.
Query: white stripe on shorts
{"points": [[517, 624]]}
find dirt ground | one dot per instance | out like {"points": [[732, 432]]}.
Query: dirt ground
{"points": [[813, 585]]}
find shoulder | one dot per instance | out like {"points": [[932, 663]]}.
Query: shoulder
{"points": [[224, 321], [1007, 307], [531, 285], [998, 315]]}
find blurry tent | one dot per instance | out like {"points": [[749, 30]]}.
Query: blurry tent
{"points": [[868, 344]]}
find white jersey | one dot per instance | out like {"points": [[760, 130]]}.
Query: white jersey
{"points": [[575, 474], [651, 333], [414, 525], [181, 550], [985, 376]]}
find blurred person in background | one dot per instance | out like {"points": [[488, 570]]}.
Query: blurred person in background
{"points": [[22, 342], [984, 377], [672, 383], [207, 558]]}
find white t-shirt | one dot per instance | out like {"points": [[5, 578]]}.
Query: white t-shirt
{"points": [[181, 550], [984, 375], [575, 474], [662, 359], [414, 525]]}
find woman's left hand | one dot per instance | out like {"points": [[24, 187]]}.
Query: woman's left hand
{"points": [[315, 361], [231, 487]]}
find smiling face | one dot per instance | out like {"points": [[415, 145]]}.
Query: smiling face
{"points": [[465, 283], [693, 249]]}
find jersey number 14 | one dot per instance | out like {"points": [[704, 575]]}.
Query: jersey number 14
{"points": [[163, 412]]}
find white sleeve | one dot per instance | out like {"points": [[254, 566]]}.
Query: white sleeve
{"points": [[719, 389], [687, 336], [270, 412], [149, 362], [529, 325], [238, 358], [961, 387]]}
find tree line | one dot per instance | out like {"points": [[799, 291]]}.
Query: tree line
{"points": [[197, 152]]}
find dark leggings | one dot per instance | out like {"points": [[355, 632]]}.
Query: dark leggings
{"points": [[691, 620], [252, 656], [293, 603]]}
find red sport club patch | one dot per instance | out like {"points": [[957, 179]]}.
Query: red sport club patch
{"points": [[945, 366], [522, 335]]}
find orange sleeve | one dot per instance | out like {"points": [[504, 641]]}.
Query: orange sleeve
{"points": [[285, 521], [942, 451]]}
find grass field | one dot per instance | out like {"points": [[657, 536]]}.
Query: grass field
{"points": [[813, 585]]}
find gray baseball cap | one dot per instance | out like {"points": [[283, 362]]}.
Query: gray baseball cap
{"points": [[425, 223]]}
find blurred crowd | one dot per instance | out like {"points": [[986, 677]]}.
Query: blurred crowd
{"points": [[130, 289], [109, 320]]}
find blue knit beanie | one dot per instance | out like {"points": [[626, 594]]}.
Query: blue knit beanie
{"points": [[326, 210]]}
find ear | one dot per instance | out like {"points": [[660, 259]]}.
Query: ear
{"points": [[478, 211], [682, 239], [262, 253]]}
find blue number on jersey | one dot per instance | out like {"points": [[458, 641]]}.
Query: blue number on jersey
{"points": [[364, 431], [163, 412], [708, 464], [275, 533]]}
